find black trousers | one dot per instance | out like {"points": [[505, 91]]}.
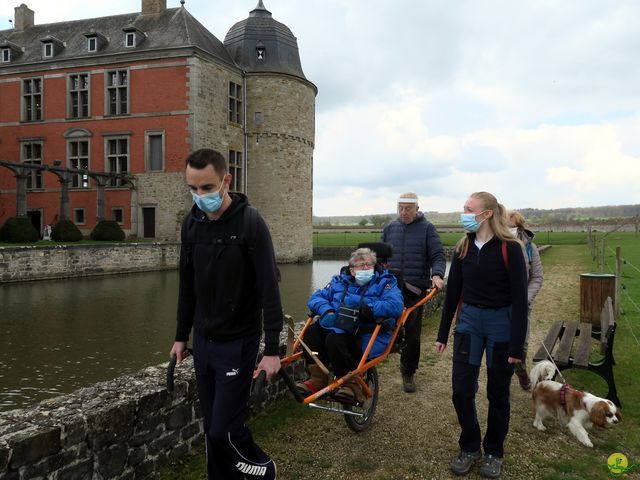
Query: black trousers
{"points": [[340, 350], [410, 356], [224, 371]]}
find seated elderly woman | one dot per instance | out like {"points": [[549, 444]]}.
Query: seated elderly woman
{"points": [[348, 308]]}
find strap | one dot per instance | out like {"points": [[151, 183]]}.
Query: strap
{"points": [[505, 257], [250, 227]]}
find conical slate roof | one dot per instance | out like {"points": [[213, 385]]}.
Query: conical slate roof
{"points": [[261, 32]]}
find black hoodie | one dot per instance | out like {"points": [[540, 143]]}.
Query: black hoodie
{"points": [[225, 289]]}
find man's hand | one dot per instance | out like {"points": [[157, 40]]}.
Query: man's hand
{"points": [[270, 364], [179, 349], [440, 347], [513, 360], [438, 282]]}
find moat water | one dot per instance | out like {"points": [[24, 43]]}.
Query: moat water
{"points": [[57, 336]]}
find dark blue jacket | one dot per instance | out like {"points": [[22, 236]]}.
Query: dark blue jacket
{"points": [[382, 295], [417, 250]]}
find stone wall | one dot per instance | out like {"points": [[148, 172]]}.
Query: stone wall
{"points": [[122, 429], [64, 261]]}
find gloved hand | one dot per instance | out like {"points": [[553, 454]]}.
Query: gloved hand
{"points": [[365, 315], [328, 319]]}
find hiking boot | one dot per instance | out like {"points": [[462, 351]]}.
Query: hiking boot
{"points": [[491, 466], [463, 462], [350, 393], [523, 377], [317, 381], [408, 384]]}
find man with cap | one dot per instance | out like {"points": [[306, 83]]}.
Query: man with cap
{"points": [[418, 254]]}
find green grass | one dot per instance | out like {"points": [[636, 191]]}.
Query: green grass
{"points": [[581, 464], [352, 239]]}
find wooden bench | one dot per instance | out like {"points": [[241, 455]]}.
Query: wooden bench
{"points": [[573, 337]]}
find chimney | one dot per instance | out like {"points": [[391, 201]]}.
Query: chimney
{"points": [[153, 6], [24, 17]]}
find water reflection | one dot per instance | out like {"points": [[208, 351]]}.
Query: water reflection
{"points": [[57, 336]]}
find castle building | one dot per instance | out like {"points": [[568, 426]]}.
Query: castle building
{"points": [[136, 93]]}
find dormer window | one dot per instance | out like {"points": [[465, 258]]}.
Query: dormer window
{"points": [[133, 37], [51, 46], [130, 39], [95, 41], [260, 50], [6, 55], [47, 49]]}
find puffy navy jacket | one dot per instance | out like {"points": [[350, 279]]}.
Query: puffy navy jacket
{"points": [[417, 250]]}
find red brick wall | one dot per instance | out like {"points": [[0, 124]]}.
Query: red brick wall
{"points": [[159, 93]]}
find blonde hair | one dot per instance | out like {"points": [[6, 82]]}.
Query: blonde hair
{"points": [[497, 222], [517, 219]]}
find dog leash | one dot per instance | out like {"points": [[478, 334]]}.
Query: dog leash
{"points": [[554, 363]]}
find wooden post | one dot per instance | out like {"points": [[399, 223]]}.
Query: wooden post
{"points": [[604, 252], [594, 290], [618, 280]]}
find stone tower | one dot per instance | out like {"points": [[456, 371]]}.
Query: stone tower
{"points": [[280, 122]]}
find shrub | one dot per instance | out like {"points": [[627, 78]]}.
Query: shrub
{"points": [[19, 230], [107, 230], [65, 231]]}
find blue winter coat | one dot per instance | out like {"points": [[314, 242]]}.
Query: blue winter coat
{"points": [[417, 250], [382, 295]]}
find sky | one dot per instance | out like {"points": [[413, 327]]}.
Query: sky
{"points": [[535, 102]]}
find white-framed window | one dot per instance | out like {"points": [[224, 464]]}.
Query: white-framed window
{"points": [[154, 151], [235, 102], [6, 55], [117, 158], [47, 49], [32, 155], [32, 99], [130, 39], [117, 95], [92, 44], [78, 100], [78, 159], [78, 216], [117, 215], [236, 170]]}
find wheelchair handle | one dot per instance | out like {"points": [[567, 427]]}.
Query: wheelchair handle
{"points": [[291, 384]]}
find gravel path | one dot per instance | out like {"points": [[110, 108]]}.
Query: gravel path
{"points": [[414, 436]]}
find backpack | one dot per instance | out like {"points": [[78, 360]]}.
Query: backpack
{"points": [[246, 237]]}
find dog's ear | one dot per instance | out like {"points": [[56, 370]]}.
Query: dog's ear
{"points": [[598, 414]]}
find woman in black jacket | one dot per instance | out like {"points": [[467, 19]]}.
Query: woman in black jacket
{"points": [[487, 286]]}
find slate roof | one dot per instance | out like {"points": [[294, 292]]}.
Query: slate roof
{"points": [[171, 28], [281, 47]]}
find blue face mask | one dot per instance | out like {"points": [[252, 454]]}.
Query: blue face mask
{"points": [[209, 202], [363, 276], [469, 222]]}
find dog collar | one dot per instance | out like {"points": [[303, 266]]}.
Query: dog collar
{"points": [[563, 397]]}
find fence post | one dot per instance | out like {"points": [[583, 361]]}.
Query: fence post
{"points": [[618, 280], [604, 252]]}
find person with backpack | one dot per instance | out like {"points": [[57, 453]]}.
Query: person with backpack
{"points": [[348, 308], [228, 291], [535, 276], [487, 293], [419, 256]]}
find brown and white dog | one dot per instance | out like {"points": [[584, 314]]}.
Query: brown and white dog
{"points": [[577, 410]]}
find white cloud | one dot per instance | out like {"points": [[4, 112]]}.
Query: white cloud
{"points": [[536, 102]]}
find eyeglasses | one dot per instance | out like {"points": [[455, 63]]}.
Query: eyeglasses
{"points": [[362, 266]]}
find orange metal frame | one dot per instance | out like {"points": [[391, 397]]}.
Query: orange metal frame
{"points": [[364, 364]]}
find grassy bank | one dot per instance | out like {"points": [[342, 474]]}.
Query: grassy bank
{"points": [[352, 239], [414, 436]]}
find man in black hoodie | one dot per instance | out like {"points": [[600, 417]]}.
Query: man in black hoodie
{"points": [[228, 291]]}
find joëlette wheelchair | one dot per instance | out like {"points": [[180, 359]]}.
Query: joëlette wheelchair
{"points": [[358, 415]]}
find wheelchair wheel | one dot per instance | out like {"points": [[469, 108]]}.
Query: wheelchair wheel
{"points": [[362, 423]]}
